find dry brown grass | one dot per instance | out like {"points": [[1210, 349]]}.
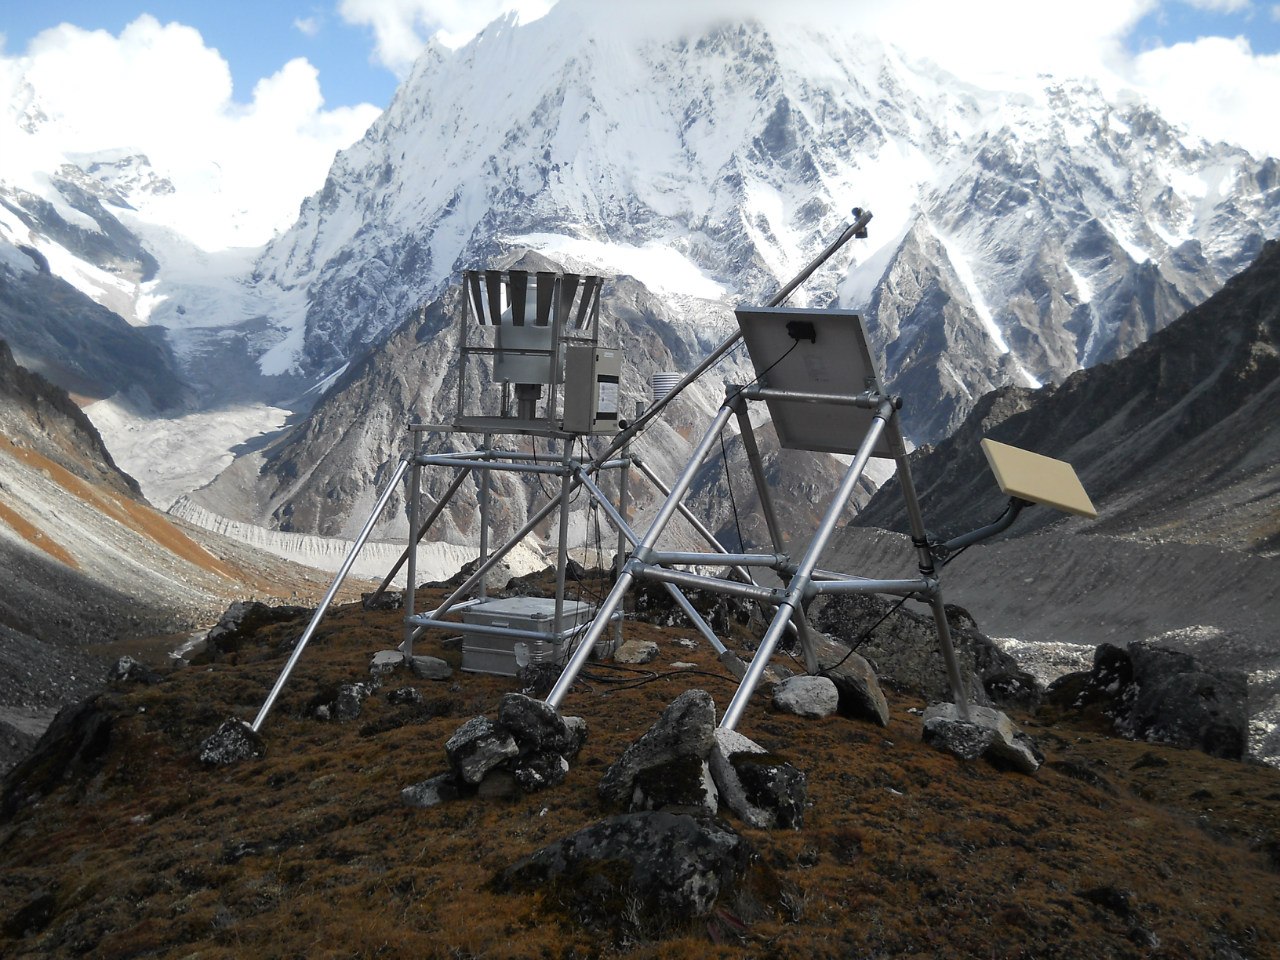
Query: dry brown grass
{"points": [[141, 519], [36, 537], [905, 851]]}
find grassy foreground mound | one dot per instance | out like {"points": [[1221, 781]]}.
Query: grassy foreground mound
{"points": [[117, 842]]}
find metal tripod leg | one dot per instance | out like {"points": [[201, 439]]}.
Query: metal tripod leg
{"points": [[748, 435], [614, 599], [794, 597], [920, 538], [328, 597]]}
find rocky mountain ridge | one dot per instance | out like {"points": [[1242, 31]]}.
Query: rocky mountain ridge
{"points": [[1176, 441], [1019, 233]]}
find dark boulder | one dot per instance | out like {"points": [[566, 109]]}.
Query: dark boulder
{"points": [[902, 647], [241, 620], [477, 747], [234, 741], [72, 750], [654, 604], [684, 731], [1156, 690], [643, 875]]}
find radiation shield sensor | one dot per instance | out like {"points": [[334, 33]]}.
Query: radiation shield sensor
{"points": [[1038, 479], [815, 352]]}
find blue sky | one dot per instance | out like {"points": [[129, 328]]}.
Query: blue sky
{"points": [[257, 38]]}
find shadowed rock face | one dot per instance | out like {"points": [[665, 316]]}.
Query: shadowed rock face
{"points": [[902, 647], [41, 414], [1160, 690]]}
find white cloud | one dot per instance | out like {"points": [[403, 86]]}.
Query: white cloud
{"points": [[1218, 87], [401, 28], [240, 169], [307, 26], [1275, 12]]}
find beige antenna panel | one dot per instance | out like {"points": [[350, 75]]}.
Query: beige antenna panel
{"points": [[1030, 476]]}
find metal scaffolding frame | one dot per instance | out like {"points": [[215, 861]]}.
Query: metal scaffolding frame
{"points": [[555, 306]]}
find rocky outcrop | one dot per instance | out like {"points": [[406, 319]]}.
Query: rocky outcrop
{"points": [[761, 789], [902, 648], [648, 874], [1152, 690], [528, 749], [241, 620], [667, 766], [73, 750]]}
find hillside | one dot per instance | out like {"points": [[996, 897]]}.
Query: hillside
{"points": [[87, 564], [1178, 441], [116, 842]]}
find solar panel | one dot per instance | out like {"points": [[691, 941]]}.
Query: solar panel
{"points": [[836, 362]]}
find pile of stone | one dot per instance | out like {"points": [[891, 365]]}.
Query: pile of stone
{"points": [[684, 764], [528, 748]]}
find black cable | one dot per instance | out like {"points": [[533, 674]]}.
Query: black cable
{"points": [[724, 459], [759, 376], [674, 673], [865, 637]]}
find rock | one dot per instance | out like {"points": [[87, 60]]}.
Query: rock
{"points": [[538, 727], [987, 733], [680, 785], [341, 702], [806, 696], [1184, 702], [233, 741], [388, 600], [386, 662], [495, 580], [241, 620], [761, 789], [859, 691], [350, 700], [685, 729], [643, 875], [477, 747], [73, 749], [433, 792], [904, 647], [577, 728], [537, 679], [636, 652], [544, 739], [539, 771], [430, 668], [653, 604], [404, 696], [129, 670], [1159, 691]]}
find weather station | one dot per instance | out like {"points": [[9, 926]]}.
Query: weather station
{"points": [[531, 363]]}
